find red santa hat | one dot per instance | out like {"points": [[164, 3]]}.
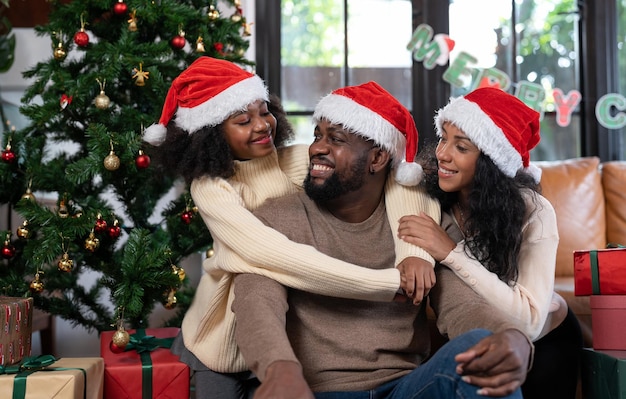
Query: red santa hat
{"points": [[205, 94], [499, 124], [371, 112], [446, 45]]}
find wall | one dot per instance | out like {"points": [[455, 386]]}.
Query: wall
{"points": [[73, 341]]}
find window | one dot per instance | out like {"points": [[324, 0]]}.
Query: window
{"points": [[550, 49], [535, 43], [328, 44]]}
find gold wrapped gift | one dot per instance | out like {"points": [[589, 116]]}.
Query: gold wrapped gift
{"points": [[66, 378]]}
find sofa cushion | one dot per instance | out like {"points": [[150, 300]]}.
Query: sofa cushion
{"points": [[614, 183], [574, 188]]}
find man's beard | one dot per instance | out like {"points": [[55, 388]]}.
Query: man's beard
{"points": [[337, 185]]}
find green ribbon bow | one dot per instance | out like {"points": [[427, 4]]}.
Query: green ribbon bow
{"points": [[30, 365], [147, 343], [35, 363], [144, 344]]}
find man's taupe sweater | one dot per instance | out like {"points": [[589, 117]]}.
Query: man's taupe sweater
{"points": [[343, 344]]}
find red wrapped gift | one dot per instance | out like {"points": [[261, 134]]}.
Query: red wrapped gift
{"points": [[600, 272], [16, 324], [608, 321], [145, 359]]}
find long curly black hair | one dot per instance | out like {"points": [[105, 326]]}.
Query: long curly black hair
{"points": [[206, 152], [497, 212]]}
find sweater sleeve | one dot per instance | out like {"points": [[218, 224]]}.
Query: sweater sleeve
{"points": [[260, 305], [403, 200], [249, 246], [459, 309], [526, 301]]}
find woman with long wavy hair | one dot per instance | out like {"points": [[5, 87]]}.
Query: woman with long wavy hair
{"points": [[498, 233]]}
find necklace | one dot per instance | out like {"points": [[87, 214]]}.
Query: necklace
{"points": [[462, 218]]}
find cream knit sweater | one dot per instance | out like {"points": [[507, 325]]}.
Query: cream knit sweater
{"points": [[527, 301], [243, 244]]}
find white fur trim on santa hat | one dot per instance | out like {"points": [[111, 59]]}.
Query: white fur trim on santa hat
{"points": [[213, 111], [218, 108], [341, 110], [482, 131]]}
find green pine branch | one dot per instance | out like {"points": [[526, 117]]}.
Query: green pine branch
{"points": [[60, 159]]}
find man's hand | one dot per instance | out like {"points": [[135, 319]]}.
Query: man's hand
{"points": [[284, 380], [497, 364], [417, 277]]}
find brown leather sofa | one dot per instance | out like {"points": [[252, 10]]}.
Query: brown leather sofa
{"points": [[589, 198]]}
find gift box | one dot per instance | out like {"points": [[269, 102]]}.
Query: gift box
{"points": [[603, 374], [16, 321], [608, 321], [146, 369], [600, 272], [46, 377]]}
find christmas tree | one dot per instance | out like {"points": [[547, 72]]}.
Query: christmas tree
{"points": [[79, 177]]}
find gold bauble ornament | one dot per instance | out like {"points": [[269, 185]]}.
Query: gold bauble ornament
{"points": [[59, 52], [121, 338], [213, 14], [22, 231], [170, 299], [102, 101], [236, 17], [63, 212], [28, 195], [36, 285], [210, 252], [179, 271], [112, 161], [92, 243], [65, 263]]}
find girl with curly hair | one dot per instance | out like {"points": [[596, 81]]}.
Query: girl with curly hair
{"points": [[221, 132], [498, 234]]}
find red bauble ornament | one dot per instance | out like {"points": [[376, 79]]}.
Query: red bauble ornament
{"points": [[100, 225], [115, 349], [142, 161], [8, 156], [81, 38], [115, 231], [178, 42], [8, 251], [186, 217], [120, 8]]}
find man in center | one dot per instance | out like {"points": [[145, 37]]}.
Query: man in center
{"points": [[302, 345]]}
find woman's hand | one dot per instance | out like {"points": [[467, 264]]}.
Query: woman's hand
{"points": [[425, 233]]}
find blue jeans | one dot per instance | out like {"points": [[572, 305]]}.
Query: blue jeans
{"points": [[434, 379]]}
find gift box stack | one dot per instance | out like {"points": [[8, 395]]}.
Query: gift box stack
{"points": [[145, 368], [24, 376], [601, 275]]}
